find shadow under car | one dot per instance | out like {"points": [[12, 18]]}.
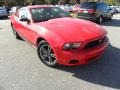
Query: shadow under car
{"points": [[105, 72]]}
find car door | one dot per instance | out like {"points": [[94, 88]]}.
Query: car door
{"points": [[25, 28], [106, 11], [109, 11]]}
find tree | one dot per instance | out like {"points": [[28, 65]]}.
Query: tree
{"points": [[113, 2], [24, 2], [110, 2]]}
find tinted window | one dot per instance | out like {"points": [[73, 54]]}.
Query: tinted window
{"points": [[105, 6], [100, 6], [88, 5], [46, 13], [23, 13]]}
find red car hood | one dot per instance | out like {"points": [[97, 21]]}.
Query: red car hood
{"points": [[72, 29]]}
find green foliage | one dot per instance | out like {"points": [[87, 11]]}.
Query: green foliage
{"points": [[25, 2], [41, 1], [110, 2], [113, 2]]}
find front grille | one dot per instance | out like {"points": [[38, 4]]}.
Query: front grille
{"points": [[94, 43]]}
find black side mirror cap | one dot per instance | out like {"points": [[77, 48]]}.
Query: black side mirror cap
{"points": [[25, 20]]}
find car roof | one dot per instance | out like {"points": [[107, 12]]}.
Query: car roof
{"points": [[38, 6]]}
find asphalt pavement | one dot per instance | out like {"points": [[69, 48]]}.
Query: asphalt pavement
{"points": [[21, 69]]}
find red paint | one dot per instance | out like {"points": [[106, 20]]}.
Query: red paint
{"points": [[59, 31]]}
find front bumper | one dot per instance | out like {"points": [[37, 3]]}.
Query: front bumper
{"points": [[78, 57]]}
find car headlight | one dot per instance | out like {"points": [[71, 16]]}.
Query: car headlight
{"points": [[71, 46]]}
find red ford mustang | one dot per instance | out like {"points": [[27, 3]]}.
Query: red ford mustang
{"points": [[59, 38]]}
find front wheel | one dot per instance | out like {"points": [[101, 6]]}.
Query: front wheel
{"points": [[46, 54]]}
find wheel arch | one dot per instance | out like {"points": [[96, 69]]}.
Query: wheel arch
{"points": [[11, 23], [39, 39]]}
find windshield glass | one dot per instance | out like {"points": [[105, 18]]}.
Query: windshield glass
{"points": [[88, 5], [46, 13]]}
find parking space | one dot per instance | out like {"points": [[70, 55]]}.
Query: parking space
{"points": [[21, 69]]}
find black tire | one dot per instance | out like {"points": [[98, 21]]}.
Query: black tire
{"points": [[100, 19], [46, 54], [110, 18], [15, 33], [6, 17]]}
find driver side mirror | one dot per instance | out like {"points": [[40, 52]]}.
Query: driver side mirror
{"points": [[25, 19]]}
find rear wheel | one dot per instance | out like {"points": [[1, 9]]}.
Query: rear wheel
{"points": [[46, 54], [15, 33], [111, 16], [100, 20]]}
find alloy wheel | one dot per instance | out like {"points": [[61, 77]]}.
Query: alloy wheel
{"points": [[47, 54]]}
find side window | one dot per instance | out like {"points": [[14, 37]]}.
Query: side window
{"points": [[100, 6], [23, 13], [108, 7], [105, 6]]}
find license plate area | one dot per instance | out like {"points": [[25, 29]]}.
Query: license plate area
{"points": [[85, 11]]}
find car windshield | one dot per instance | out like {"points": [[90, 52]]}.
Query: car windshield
{"points": [[88, 5], [46, 13]]}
